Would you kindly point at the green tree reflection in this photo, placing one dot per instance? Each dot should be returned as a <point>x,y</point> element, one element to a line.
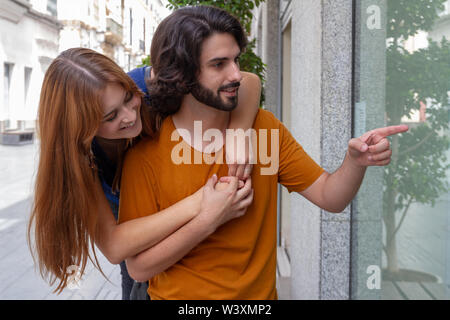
<point>417,173</point>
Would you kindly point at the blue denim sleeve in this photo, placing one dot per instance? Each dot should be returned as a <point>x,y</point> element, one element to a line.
<point>138,76</point>
<point>113,198</point>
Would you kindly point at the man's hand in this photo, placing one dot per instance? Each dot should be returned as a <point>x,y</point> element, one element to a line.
<point>373,148</point>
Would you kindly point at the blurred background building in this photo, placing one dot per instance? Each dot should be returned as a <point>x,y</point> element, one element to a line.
<point>34,32</point>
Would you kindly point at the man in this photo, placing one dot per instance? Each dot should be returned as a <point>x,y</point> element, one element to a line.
<point>195,55</point>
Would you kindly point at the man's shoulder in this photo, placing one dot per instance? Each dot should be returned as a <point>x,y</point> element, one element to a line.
<point>140,151</point>
<point>266,120</point>
<point>151,148</point>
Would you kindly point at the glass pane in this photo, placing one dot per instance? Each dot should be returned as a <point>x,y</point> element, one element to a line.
<point>401,216</point>
<point>52,7</point>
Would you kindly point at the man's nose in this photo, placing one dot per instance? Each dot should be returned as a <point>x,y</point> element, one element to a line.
<point>235,73</point>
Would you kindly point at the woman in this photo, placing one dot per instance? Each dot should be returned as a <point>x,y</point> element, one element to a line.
<point>90,112</point>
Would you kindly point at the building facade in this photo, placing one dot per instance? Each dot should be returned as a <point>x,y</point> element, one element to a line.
<point>28,43</point>
<point>356,70</point>
<point>119,29</point>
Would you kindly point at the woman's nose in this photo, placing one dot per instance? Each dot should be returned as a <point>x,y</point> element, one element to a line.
<point>129,114</point>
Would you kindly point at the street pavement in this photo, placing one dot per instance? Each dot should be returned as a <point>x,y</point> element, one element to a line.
<point>19,275</point>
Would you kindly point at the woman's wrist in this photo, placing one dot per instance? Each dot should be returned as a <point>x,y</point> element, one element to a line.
<point>204,223</point>
<point>197,198</point>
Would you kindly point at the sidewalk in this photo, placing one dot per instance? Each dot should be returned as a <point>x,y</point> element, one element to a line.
<point>19,278</point>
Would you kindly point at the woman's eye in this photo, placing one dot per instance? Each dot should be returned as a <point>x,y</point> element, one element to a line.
<point>111,118</point>
<point>128,96</point>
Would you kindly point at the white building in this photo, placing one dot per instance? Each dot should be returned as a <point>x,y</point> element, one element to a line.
<point>140,19</point>
<point>119,29</point>
<point>28,43</point>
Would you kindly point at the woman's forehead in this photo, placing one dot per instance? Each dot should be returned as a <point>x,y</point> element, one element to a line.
<point>113,96</point>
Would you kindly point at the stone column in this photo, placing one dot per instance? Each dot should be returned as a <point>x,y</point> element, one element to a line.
<point>271,54</point>
<point>322,123</point>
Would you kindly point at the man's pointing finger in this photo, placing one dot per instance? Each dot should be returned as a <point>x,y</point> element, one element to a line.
<point>389,131</point>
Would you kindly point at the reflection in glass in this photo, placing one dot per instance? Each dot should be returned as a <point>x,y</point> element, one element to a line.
<point>415,212</point>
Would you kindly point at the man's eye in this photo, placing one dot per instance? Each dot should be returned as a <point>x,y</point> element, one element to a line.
<point>218,65</point>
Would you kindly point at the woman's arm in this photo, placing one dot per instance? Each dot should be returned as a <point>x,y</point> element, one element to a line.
<point>242,118</point>
<point>119,241</point>
<point>249,97</point>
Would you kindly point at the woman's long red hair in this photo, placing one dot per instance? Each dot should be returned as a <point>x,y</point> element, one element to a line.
<point>65,208</point>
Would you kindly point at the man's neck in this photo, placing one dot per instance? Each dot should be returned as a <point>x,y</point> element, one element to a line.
<point>191,111</point>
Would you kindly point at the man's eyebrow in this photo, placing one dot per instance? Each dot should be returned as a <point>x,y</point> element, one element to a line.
<point>222,58</point>
<point>217,59</point>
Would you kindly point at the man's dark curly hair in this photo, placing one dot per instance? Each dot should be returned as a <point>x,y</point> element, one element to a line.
<point>176,48</point>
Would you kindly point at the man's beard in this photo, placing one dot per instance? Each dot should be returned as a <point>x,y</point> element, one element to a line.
<point>207,96</point>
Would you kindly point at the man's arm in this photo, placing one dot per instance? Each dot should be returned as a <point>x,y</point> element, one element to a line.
<point>333,192</point>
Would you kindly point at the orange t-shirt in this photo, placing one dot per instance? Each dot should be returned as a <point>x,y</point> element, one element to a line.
<point>238,261</point>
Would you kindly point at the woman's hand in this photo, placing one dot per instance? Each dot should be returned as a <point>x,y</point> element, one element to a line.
<point>224,201</point>
<point>239,157</point>
<point>242,169</point>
